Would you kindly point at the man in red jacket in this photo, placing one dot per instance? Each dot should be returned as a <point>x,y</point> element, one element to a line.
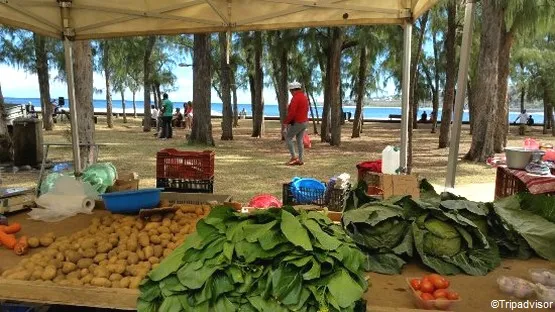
<point>296,122</point>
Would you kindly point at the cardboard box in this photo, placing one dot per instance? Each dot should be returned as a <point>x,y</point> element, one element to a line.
<point>125,182</point>
<point>393,185</point>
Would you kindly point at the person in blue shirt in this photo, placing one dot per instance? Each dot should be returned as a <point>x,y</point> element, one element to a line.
<point>167,115</point>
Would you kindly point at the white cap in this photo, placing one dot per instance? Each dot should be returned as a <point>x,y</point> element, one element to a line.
<point>294,85</point>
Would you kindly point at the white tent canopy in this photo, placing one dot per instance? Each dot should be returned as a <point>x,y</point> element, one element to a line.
<point>94,19</point>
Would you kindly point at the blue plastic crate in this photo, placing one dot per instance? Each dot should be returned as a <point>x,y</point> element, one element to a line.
<point>131,201</point>
<point>307,190</point>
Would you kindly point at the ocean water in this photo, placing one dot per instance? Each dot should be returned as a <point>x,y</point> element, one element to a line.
<point>270,110</point>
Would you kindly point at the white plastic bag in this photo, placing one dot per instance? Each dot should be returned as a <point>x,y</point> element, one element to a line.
<point>67,198</point>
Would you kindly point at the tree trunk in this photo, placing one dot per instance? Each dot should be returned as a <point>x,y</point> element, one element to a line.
<point>325,127</point>
<point>146,83</point>
<point>6,154</point>
<point>108,76</point>
<point>549,117</point>
<point>122,93</point>
<point>487,83</point>
<point>471,105</point>
<point>227,113</point>
<point>361,86</point>
<point>502,124</point>
<point>435,96</point>
<point>83,71</point>
<point>413,83</point>
<point>545,113</point>
<point>235,106</point>
<point>334,73</point>
<point>258,113</point>
<point>435,90</point>
<point>311,106</point>
<point>134,106</point>
<point>201,132</point>
<point>522,97</point>
<point>44,84</point>
<point>157,103</point>
<point>450,75</point>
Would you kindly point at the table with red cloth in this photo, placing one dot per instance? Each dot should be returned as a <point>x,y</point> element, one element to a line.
<point>512,181</point>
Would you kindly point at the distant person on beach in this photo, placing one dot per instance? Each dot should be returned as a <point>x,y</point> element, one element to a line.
<point>243,114</point>
<point>423,117</point>
<point>154,115</point>
<point>189,115</point>
<point>296,123</point>
<point>167,114</point>
<point>530,121</point>
<point>177,120</point>
<point>523,117</point>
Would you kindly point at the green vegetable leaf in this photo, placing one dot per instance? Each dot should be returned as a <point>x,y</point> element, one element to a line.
<point>224,305</point>
<point>170,304</point>
<point>328,242</point>
<point>344,289</point>
<point>146,306</point>
<point>228,251</point>
<point>172,263</point>
<point>435,263</point>
<point>194,277</point>
<point>385,263</point>
<point>284,281</point>
<point>294,231</point>
<point>313,272</point>
<point>471,206</point>
<point>254,231</point>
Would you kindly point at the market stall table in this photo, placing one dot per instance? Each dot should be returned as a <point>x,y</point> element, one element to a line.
<point>388,293</point>
<point>512,181</point>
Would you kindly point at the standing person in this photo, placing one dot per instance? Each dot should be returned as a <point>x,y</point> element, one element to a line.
<point>189,116</point>
<point>167,111</point>
<point>296,123</point>
<point>523,120</point>
<point>154,118</point>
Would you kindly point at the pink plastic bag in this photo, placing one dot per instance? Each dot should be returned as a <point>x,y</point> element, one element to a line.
<point>531,144</point>
<point>263,201</point>
<point>306,140</point>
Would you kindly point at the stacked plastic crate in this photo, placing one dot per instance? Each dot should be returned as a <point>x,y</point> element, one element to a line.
<point>185,172</point>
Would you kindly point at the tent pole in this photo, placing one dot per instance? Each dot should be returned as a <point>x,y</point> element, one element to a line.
<point>407,45</point>
<point>68,35</point>
<point>68,49</point>
<point>461,94</point>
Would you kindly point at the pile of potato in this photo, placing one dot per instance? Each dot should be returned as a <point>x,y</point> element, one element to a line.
<point>114,251</point>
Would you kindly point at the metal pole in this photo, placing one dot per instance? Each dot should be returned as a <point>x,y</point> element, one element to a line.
<point>69,32</point>
<point>461,94</point>
<point>68,49</point>
<point>405,94</point>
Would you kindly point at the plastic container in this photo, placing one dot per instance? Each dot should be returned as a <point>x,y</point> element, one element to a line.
<point>391,160</point>
<point>307,190</point>
<point>542,276</point>
<point>335,199</point>
<point>131,201</point>
<point>15,307</point>
<point>264,201</point>
<point>516,287</point>
<point>518,157</point>
<point>174,164</point>
<point>186,185</point>
<point>545,294</point>
<point>441,304</point>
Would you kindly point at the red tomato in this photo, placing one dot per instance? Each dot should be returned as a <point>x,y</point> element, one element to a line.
<point>426,296</point>
<point>415,283</point>
<point>427,287</point>
<point>441,293</point>
<point>447,282</point>
<point>452,295</point>
<point>438,281</point>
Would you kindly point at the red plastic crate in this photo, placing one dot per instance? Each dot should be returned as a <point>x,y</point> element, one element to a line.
<point>174,164</point>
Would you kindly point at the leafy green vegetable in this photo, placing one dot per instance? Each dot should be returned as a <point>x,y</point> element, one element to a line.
<point>538,231</point>
<point>271,260</point>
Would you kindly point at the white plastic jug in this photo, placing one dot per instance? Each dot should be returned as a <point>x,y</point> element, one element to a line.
<point>391,160</point>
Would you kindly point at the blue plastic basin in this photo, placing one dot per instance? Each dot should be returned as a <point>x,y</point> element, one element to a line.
<point>307,190</point>
<point>131,201</point>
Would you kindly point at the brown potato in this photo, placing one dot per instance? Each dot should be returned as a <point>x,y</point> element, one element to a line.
<point>104,247</point>
<point>141,255</point>
<point>164,229</point>
<point>87,278</point>
<point>154,260</point>
<point>72,256</point>
<point>49,273</point>
<point>101,272</point>
<point>58,279</point>
<point>33,242</point>
<point>148,251</point>
<point>166,222</point>
<point>133,258</point>
<point>158,250</point>
<point>73,275</point>
<point>104,263</point>
<point>68,267</point>
<point>124,282</point>
<point>155,239</point>
<point>84,272</point>
<point>46,241</point>
<point>88,243</point>
<point>100,257</point>
<point>144,240</point>
<point>84,263</point>
<point>171,246</point>
<point>164,243</point>
<point>132,243</point>
<point>21,275</point>
<point>166,252</point>
<point>123,254</point>
<point>175,228</point>
<point>88,253</point>
<point>56,263</point>
<point>51,234</point>
<point>152,232</point>
<point>101,282</point>
<point>115,277</point>
<point>165,236</point>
